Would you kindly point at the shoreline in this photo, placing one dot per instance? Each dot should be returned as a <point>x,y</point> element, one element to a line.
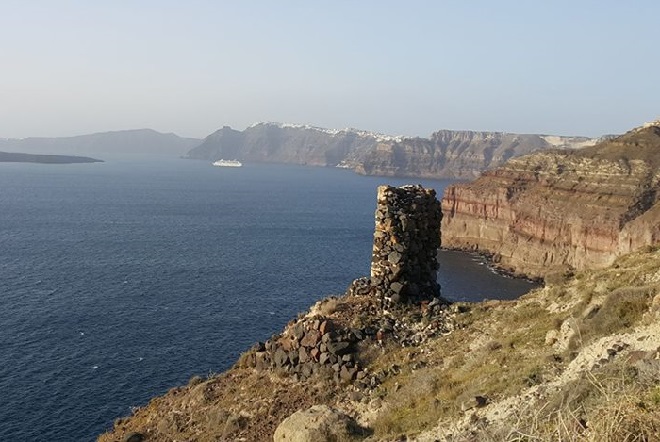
<point>490,259</point>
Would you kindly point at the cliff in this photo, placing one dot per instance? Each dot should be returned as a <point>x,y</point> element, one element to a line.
<point>285,143</point>
<point>574,360</point>
<point>561,210</point>
<point>456,154</point>
<point>446,154</point>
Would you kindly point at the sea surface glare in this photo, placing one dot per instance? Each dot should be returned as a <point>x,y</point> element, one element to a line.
<point>120,280</point>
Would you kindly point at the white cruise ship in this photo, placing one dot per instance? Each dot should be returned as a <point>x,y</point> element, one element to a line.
<point>227,163</point>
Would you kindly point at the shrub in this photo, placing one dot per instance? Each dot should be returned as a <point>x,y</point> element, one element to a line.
<point>621,309</point>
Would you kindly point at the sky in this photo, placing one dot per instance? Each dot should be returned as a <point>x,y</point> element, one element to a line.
<point>412,67</point>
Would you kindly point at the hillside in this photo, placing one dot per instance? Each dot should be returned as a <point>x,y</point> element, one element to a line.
<point>557,211</point>
<point>391,360</point>
<point>575,360</point>
<point>447,154</point>
<point>140,141</point>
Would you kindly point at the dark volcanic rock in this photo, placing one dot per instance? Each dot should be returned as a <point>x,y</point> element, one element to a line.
<point>134,437</point>
<point>338,348</point>
<point>406,242</point>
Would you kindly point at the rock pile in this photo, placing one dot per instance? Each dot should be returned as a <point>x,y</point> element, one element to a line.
<point>406,241</point>
<point>404,265</point>
<point>311,346</point>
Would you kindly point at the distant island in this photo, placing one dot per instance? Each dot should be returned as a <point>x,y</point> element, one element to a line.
<point>445,154</point>
<point>135,141</point>
<point>454,154</point>
<point>11,157</point>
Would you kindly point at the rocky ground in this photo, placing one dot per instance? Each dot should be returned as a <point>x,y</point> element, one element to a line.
<point>575,360</point>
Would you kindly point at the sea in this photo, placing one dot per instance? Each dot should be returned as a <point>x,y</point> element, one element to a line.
<point>120,280</point>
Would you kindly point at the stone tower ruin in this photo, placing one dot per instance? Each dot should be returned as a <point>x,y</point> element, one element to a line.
<point>404,261</point>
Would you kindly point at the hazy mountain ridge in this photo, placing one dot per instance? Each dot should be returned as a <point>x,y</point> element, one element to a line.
<point>446,154</point>
<point>140,141</point>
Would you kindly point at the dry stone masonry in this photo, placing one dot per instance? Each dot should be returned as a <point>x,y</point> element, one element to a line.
<point>327,341</point>
<point>311,346</point>
<point>406,240</point>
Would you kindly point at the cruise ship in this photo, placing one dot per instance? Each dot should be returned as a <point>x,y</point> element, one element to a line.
<point>227,163</point>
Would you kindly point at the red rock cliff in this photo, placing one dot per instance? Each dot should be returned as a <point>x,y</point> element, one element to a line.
<point>554,211</point>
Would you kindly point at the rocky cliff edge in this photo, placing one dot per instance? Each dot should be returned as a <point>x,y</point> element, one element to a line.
<point>575,360</point>
<point>557,211</point>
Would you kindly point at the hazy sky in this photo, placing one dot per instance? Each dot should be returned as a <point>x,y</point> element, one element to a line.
<point>574,67</point>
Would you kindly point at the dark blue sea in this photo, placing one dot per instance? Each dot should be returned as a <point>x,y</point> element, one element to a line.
<point>120,280</point>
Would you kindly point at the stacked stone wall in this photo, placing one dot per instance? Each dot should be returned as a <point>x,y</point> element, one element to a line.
<point>404,268</point>
<point>404,261</point>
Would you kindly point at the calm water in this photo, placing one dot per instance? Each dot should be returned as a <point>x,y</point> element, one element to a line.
<point>120,280</point>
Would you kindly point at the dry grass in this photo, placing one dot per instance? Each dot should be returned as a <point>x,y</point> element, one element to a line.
<point>501,351</point>
<point>493,369</point>
<point>498,351</point>
<point>596,408</point>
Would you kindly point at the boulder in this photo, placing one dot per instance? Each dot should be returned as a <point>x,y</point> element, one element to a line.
<point>319,423</point>
<point>281,358</point>
<point>347,374</point>
<point>134,437</point>
<point>312,337</point>
<point>339,348</point>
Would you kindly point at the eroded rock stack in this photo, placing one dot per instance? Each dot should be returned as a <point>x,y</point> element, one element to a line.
<point>406,241</point>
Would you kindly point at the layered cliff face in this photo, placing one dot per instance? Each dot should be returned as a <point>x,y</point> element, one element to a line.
<point>447,154</point>
<point>456,154</point>
<point>561,210</point>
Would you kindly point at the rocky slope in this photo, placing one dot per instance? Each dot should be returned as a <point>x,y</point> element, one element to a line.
<point>447,154</point>
<point>575,360</point>
<point>561,210</point>
<point>140,141</point>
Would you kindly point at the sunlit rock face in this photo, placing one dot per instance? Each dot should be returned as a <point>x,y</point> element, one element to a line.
<point>556,211</point>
